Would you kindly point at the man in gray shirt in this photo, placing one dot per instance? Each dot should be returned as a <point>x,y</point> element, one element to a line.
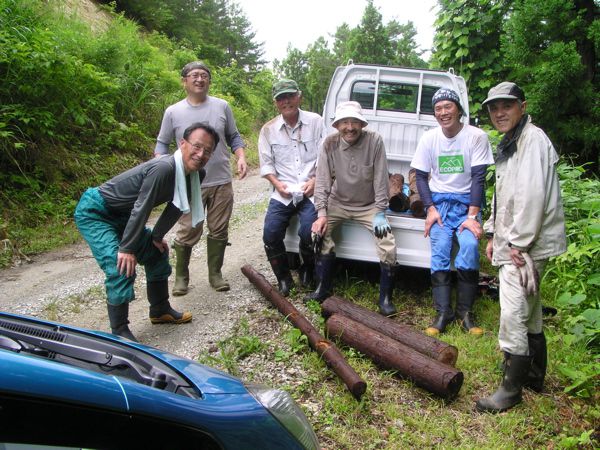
<point>352,184</point>
<point>217,190</point>
<point>112,219</point>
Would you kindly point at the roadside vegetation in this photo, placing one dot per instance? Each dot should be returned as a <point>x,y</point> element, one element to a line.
<point>82,98</point>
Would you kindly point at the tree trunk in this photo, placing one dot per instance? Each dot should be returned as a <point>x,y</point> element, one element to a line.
<point>434,376</point>
<point>405,334</point>
<point>330,353</point>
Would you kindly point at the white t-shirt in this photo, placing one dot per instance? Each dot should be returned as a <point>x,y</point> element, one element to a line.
<point>449,160</point>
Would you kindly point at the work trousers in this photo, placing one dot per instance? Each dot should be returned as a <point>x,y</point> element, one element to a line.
<point>218,206</point>
<point>103,231</point>
<point>454,212</point>
<point>385,247</point>
<point>278,218</point>
<point>519,313</point>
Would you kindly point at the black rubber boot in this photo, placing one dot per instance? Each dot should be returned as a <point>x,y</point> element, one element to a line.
<point>118,316</point>
<point>440,290</point>
<point>215,253</point>
<point>509,394</point>
<point>324,269</point>
<point>386,289</point>
<point>182,271</point>
<point>307,269</point>
<point>467,288</point>
<point>539,362</point>
<point>160,307</point>
<point>278,259</point>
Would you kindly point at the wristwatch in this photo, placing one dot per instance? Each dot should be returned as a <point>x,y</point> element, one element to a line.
<point>474,217</point>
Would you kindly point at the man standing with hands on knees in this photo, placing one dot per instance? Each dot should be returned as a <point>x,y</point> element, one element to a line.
<point>451,162</point>
<point>353,184</point>
<point>217,189</point>
<point>526,227</point>
<point>288,148</point>
<point>112,219</point>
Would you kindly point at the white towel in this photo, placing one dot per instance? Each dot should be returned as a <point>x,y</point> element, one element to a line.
<point>180,198</point>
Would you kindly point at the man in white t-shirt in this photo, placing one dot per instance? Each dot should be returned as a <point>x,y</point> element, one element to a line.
<point>451,163</point>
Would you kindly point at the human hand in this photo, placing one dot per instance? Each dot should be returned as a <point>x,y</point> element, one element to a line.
<point>489,249</point>
<point>473,226</point>
<point>381,226</point>
<point>529,276</point>
<point>517,257</point>
<point>162,246</point>
<point>308,188</point>
<point>242,167</point>
<point>319,226</point>
<point>126,263</point>
<point>281,187</point>
<point>433,216</point>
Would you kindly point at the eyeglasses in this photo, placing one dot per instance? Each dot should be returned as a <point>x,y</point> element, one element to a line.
<point>200,148</point>
<point>196,75</point>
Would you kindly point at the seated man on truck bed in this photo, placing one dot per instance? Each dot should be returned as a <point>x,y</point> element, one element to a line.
<point>456,155</point>
<point>352,183</point>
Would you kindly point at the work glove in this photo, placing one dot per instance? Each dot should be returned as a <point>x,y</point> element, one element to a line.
<point>529,276</point>
<point>381,226</point>
<point>317,243</point>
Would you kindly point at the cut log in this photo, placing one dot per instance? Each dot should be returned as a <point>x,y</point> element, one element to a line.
<point>403,333</point>
<point>330,353</point>
<point>434,376</point>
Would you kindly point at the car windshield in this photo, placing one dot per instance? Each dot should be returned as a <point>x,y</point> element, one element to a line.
<point>91,353</point>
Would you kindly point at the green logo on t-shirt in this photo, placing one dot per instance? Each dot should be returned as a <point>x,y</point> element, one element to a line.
<point>451,164</point>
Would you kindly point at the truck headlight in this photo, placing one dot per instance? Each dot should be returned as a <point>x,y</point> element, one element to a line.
<point>287,412</point>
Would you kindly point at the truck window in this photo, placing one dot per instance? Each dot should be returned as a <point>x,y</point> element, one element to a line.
<point>393,96</point>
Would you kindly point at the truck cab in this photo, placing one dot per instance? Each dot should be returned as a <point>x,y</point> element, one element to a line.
<point>396,101</point>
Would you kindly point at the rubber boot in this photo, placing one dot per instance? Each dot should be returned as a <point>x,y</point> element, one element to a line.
<point>215,252</point>
<point>509,394</point>
<point>118,316</point>
<point>277,257</point>
<point>182,271</point>
<point>416,204</point>
<point>386,289</point>
<point>324,269</point>
<point>467,288</point>
<point>307,269</point>
<point>440,290</point>
<point>539,362</point>
<point>160,307</point>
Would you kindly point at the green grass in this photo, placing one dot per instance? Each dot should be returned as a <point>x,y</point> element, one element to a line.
<point>394,413</point>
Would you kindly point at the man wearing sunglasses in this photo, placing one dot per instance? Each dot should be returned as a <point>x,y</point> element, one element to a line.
<point>217,189</point>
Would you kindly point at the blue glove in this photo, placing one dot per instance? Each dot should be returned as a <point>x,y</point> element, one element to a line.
<point>381,226</point>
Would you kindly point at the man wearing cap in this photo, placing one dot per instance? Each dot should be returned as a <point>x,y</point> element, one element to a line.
<point>525,228</point>
<point>217,190</point>
<point>353,184</point>
<point>450,163</point>
<point>288,148</point>
<point>112,219</point>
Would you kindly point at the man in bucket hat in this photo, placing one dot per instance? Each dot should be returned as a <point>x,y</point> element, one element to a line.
<point>288,147</point>
<point>526,227</point>
<point>451,163</point>
<point>352,184</point>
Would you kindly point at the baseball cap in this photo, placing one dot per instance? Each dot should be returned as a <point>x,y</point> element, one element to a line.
<point>505,90</point>
<point>193,66</point>
<point>284,86</point>
<point>346,110</point>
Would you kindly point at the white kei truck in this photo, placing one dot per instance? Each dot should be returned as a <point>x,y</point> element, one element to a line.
<point>396,101</point>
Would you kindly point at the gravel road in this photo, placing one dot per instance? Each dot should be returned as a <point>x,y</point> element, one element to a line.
<point>67,286</point>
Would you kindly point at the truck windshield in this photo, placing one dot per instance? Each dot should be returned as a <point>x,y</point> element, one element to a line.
<point>400,97</point>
